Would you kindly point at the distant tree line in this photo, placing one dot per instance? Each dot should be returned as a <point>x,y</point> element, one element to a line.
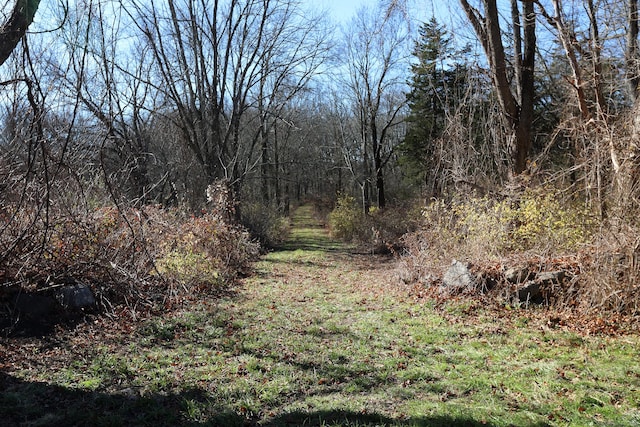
<point>149,102</point>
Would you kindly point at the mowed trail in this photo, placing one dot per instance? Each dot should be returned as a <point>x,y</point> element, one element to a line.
<point>310,260</point>
<point>313,273</point>
<point>330,318</point>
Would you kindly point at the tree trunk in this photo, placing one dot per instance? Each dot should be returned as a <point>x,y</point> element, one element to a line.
<point>517,112</point>
<point>526,90</point>
<point>376,139</point>
<point>382,202</point>
<point>264,160</point>
<point>596,47</point>
<point>16,27</point>
<point>366,168</point>
<point>633,71</point>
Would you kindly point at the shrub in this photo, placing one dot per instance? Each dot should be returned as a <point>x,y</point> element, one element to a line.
<point>611,271</point>
<point>536,220</point>
<point>535,224</point>
<point>346,219</point>
<point>187,267</point>
<point>225,247</point>
<point>128,256</point>
<point>389,225</point>
<point>542,221</point>
<point>379,231</point>
<point>265,224</point>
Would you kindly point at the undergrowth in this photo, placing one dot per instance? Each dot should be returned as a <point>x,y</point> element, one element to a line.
<point>534,231</point>
<point>536,220</point>
<point>380,230</point>
<point>265,223</point>
<point>142,257</point>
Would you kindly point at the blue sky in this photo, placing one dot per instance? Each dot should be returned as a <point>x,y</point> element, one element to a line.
<point>447,12</point>
<point>343,9</point>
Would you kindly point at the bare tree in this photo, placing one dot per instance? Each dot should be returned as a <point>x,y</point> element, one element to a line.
<point>287,66</point>
<point>633,68</point>
<point>517,108</point>
<point>569,44</point>
<point>16,26</point>
<point>377,45</point>
<point>218,63</point>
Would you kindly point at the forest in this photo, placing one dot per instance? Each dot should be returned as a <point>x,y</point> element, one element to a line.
<point>154,148</point>
<point>258,213</point>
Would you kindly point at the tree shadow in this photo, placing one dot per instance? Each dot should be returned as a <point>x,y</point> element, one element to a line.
<point>348,418</point>
<point>38,403</point>
<point>15,325</point>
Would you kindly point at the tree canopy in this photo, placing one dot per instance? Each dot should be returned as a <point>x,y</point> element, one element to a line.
<point>160,99</point>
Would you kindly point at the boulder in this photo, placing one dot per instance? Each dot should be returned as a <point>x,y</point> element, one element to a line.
<point>458,278</point>
<point>530,292</point>
<point>76,296</point>
<point>550,277</point>
<point>33,306</point>
<point>517,274</point>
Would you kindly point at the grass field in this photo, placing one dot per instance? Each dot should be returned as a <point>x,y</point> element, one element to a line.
<point>319,336</point>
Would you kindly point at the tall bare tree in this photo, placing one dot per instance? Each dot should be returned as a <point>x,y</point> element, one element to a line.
<point>377,46</point>
<point>633,63</point>
<point>516,106</point>
<point>225,69</point>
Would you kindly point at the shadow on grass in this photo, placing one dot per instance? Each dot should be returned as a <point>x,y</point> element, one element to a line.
<point>310,244</point>
<point>354,419</point>
<point>36,403</point>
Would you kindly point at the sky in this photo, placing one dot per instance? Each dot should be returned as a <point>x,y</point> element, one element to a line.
<point>448,13</point>
<point>343,9</point>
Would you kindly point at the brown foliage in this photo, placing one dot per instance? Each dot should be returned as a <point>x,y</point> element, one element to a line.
<point>121,253</point>
<point>600,269</point>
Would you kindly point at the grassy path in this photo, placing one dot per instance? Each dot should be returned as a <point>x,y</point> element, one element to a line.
<point>321,337</point>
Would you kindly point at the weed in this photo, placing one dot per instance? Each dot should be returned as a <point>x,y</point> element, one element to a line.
<point>536,220</point>
<point>189,268</point>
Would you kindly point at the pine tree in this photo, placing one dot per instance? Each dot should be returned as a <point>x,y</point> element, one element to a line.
<point>436,88</point>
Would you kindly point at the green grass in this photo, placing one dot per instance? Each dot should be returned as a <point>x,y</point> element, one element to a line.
<point>316,338</point>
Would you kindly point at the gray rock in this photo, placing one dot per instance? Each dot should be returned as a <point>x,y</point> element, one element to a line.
<point>458,278</point>
<point>516,274</point>
<point>75,296</point>
<point>530,291</point>
<point>550,277</point>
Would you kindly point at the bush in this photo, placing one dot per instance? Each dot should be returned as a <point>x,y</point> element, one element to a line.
<point>536,232</point>
<point>611,271</point>
<point>188,267</point>
<point>346,220</point>
<point>132,256</point>
<point>536,220</point>
<point>380,231</point>
<point>534,225</point>
<point>208,250</point>
<point>265,224</point>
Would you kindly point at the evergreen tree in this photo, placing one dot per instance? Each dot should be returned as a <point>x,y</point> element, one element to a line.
<point>437,86</point>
